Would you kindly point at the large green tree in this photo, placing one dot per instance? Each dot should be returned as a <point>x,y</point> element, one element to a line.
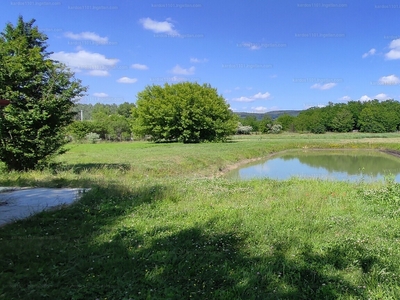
<point>186,112</point>
<point>287,122</point>
<point>342,121</point>
<point>41,92</point>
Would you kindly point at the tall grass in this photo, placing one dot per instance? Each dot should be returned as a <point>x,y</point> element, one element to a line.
<point>162,223</point>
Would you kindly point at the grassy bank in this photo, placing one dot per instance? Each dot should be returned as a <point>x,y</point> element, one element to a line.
<point>161,223</point>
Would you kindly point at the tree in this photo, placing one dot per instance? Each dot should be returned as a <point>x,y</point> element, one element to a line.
<point>287,122</point>
<point>251,121</point>
<point>265,123</point>
<point>186,112</point>
<point>375,117</point>
<point>42,93</point>
<point>118,127</point>
<point>343,121</point>
<point>125,109</point>
<point>80,129</point>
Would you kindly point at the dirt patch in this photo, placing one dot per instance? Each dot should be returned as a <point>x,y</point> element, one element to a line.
<point>242,163</point>
<point>391,152</point>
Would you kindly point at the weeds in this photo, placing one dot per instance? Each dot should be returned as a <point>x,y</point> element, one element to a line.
<point>157,225</point>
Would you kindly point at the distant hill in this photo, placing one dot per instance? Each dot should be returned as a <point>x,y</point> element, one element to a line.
<point>273,114</point>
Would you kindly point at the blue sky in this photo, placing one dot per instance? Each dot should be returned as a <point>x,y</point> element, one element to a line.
<point>260,55</point>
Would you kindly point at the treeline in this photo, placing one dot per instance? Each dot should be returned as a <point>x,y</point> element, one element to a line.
<point>102,121</point>
<point>114,122</point>
<point>370,116</point>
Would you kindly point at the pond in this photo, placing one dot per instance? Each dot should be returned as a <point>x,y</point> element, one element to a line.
<point>347,165</point>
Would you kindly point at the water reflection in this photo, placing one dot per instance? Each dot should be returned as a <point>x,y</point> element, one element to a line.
<point>325,164</point>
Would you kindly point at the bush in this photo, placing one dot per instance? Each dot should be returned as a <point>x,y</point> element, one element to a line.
<point>80,129</point>
<point>319,129</point>
<point>275,129</point>
<point>185,112</point>
<point>244,129</point>
<point>93,137</point>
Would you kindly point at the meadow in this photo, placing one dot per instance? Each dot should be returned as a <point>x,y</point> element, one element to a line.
<point>162,222</point>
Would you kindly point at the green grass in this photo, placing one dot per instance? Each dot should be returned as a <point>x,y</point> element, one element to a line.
<point>162,223</point>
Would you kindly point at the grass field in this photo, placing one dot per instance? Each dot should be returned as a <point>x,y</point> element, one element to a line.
<point>161,222</point>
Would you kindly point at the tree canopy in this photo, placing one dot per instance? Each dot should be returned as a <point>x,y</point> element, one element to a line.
<point>41,94</point>
<point>186,112</point>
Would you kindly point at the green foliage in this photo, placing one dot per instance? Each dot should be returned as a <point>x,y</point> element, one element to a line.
<point>318,128</point>
<point>287,122</point>
<point>265,123</point>
<point>379,117</point>
<point>125,109</point>
<point>118,127</point>
<point>371,116</point>
<point>311,120</point>
<point>79,129</point>
<point>387,194</point>
<point>275,129</point>
<point>93,137</point>
<point>343,121</point>
<point>41,93</point>
<point>185,112</point>
<point>252,122</point>
<point>243,129</point>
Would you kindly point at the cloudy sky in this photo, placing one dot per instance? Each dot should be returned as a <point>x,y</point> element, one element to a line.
<point>260,55</point>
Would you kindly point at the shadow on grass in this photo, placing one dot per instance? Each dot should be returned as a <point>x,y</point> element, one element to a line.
<point>79,168</point>
<point>55,178</point>
<point>83,252</point>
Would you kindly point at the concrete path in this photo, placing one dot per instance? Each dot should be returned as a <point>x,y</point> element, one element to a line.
<point>20,203</point>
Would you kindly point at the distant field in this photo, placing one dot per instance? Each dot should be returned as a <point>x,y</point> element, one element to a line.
<point>161,222</point>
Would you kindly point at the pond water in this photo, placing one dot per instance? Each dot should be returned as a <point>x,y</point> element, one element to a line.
<point>347,165</point>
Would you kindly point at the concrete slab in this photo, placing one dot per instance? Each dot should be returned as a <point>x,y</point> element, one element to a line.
<point>20,203</point>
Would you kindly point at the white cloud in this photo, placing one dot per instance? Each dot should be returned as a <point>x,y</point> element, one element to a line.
<point>181,71</point>
<point>243,99</point>
<point>126,80</point>
<point>365,98</point>
<point>237,88</point>
<point>389,80</point>
<point>98,73</point>
<point>91,36</point>
<point>266,95</point>
<point>259,109</point>
<point>197,61</point>
<point>97,64</point>
<point>369,53</point>
<point>139,67</point>
<point>394,53</point>
<point>100,95</point>
<point>273,76</point>
<point>158,27</point>
<point>345,98</point>
<point>395,44</point>
<point>381,97</point>
<point>313,104</point>
<point>227,91</point>
<point>257,96</point>
<point>325,86</point>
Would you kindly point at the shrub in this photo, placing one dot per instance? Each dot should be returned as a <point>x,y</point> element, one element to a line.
<point>93,137</point>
